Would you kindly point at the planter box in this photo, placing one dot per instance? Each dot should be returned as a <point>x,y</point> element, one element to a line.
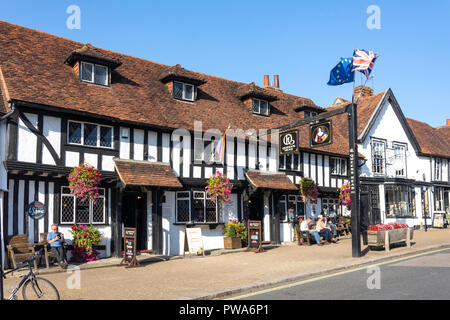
<point>382,238</point>
<point>232,243</point>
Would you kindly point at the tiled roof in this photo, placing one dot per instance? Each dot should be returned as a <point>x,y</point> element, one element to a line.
<point>432,141</point>
<point>269,180</point>
<point>33,66</point>
<point>145,173</point>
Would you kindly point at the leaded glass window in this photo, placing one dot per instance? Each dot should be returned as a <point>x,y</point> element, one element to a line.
<point>75,210</point>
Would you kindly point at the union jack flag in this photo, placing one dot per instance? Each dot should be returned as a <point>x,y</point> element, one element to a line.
<point>363,61</point>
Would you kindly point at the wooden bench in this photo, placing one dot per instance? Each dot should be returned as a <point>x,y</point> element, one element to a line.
<point>343,226</point>
<point>304,237</point>
<point>20,249</point>
<point>48,253</point>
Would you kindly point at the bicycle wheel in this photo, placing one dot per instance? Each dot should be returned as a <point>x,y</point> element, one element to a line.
<point>39,289</point>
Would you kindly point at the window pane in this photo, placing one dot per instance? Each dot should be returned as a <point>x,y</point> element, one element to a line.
<point>282,208</point>
<point>181,195</point>
<point>199,210</point>
<point>101,75</point>
<point>98,207</point>
<point>105,137</point>
<point>82,211</point>
<point>74,132</point>
<point>67,203</point>
<point>211,215</point>
<point>188,92</point>
<point>343,167</point>
<point>178,90</point>
<point>255,106</point>
<point>90,135</point>
<point>183,210</point>
<point>86,71</point>
<point>264,108</point>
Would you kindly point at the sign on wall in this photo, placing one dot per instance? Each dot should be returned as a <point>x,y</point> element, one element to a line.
<point>36,210</point>
<point>289,142</point>
<point>320,134</point>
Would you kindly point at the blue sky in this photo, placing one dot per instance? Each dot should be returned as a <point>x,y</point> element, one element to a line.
<point>299,40</point>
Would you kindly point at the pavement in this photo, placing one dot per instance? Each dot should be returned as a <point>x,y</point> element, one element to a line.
<point>222,273</point>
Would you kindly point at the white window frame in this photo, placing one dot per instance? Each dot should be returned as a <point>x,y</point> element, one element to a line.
<point>373,143</point>
<point>91,207</point>
<point>83,64</point>
<point>437,169</point>
<point>194,91</point>
<point>400,146</point>
<point>191,200</point>
<point>259,107</point>
<point>82,134</point>
<point>340,166</point>
<point>286,198</point>
<point>310,114</point>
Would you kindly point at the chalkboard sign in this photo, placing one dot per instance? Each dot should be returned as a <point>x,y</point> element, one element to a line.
<point>254,236</point>
<point>129,248</point>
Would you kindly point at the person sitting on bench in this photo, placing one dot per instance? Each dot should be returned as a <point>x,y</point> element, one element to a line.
<point>56,241</point>
<point>328,224</point>
<point>321,228</point>
<point>304,226</point>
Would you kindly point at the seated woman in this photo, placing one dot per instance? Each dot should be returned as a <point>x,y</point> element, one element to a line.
<point>321,228</point>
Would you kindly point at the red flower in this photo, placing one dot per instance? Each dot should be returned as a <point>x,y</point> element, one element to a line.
<point>74,227</point>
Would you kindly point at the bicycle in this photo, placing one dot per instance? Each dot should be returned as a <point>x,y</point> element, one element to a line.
<point>34,288</point>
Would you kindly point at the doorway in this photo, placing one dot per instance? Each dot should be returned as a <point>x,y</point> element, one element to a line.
<point>134,215</point>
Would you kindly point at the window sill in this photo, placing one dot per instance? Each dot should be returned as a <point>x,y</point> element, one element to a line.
<point>400,217</point>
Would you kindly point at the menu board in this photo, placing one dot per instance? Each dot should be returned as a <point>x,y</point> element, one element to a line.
<point>438,220</point>
<point>194,241</point>
<point>129,248</point>
<point>254,236</point>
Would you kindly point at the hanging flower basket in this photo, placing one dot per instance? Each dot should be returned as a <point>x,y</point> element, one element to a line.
<point>85,239</point>
<point>345,195</point>
<point>309,190</point>
<point>84,181</point>
<point>218,187</point>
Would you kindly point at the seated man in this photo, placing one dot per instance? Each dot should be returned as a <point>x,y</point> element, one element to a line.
<point>328,224</point>
<point>304,226</point>
<point>56,241</point>
<point>321,228</point>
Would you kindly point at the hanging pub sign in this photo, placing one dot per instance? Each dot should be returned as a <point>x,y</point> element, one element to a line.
<point>129,248</point>
<point>289,142</point>
<point>320,134</point>
<point>254,236</point>
<point>36,210</point>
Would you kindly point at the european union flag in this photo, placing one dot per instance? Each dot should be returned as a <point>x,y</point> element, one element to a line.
<point>342,73</point>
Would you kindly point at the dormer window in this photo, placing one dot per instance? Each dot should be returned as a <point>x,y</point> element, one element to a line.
<point>183,91</point>
<point>260,107</point>
<point>94,73</point>
<point>310,114</point>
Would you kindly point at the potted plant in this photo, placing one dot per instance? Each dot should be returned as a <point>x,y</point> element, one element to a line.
<point>85,239</point>
<point>309,189</point>
<point>234,233</point>
<point>397,232</point>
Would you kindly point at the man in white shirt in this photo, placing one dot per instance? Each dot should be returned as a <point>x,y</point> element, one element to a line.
<point>304,226</point>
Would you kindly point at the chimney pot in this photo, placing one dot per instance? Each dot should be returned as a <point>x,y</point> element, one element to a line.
<point>448,122</point>
<point>276,81</point>
<point>266,80</point>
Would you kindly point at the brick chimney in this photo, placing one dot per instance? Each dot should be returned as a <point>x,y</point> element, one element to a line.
<point>448,122</point>
<point>366,91</point>
<point>276,81</point>
<point>266,80</point>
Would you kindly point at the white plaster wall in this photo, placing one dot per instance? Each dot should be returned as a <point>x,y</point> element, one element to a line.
<point>124,143</point>
<point>152,146</point>
<point>91,159</point>
<point>166,147</point>
<point>52,131</point>
<point>173,235</point>
<point>107,163</point>
<point>26,140</point>
<point>72,159</point>
<point>138,139</point>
